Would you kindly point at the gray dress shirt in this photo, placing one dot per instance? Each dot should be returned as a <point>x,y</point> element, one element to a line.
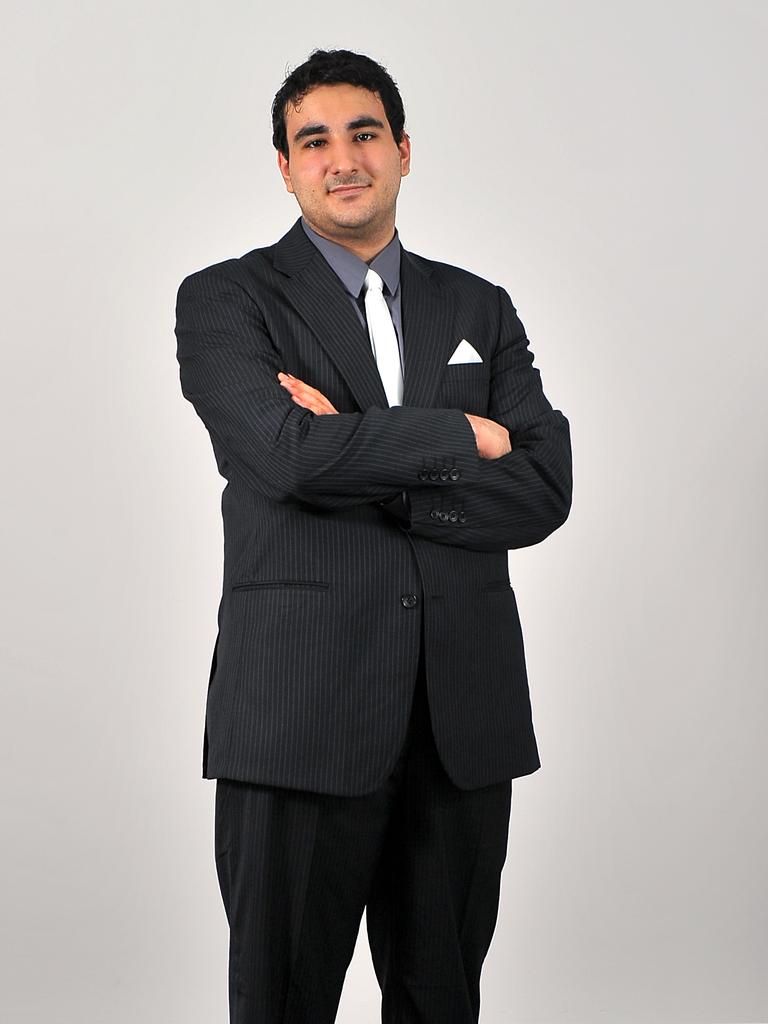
<point>351,271</point>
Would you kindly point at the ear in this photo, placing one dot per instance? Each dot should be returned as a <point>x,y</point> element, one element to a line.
<point>405,154</point>
<point>285,170</point>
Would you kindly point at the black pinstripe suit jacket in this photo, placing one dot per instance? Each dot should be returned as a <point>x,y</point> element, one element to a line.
<point>324,590</point>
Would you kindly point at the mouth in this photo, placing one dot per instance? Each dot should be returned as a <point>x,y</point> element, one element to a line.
<point>348,190</point>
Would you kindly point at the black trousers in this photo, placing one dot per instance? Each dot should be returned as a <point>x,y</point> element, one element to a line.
<point>297,869</point>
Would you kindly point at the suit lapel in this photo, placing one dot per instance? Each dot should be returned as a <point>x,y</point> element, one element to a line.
<point>321,300</point>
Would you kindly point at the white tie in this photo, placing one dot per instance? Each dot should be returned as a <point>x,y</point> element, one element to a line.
<point>381,331</point>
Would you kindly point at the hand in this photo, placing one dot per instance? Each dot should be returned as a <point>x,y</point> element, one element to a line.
<point>492,439</point>
<point>306,396</point>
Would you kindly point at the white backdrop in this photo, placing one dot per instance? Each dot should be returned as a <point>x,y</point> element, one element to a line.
<point>604,162</point>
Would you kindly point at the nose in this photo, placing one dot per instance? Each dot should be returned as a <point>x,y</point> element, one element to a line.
<point>343,158</point>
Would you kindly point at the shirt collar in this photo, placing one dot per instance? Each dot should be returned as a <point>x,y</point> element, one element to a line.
<point>351,269</point>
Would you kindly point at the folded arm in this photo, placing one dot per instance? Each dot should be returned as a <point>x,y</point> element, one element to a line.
<point>228,371</point>
<point>518,499</point>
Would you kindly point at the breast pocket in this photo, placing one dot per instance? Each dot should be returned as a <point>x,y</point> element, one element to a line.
<point>465,386</point>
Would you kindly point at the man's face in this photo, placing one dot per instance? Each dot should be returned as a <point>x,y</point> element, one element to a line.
<point>344,165</point>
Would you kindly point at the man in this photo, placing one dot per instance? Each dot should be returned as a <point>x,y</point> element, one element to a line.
<point>385,441</point>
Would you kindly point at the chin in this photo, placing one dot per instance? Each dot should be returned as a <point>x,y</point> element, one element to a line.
<point>355,218</point>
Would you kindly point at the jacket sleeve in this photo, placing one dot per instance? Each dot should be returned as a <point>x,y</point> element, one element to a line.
<point>228,370</point>
<point>523,496</point>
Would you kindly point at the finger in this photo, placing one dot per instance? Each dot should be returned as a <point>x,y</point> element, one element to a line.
<point>309,397</point>
<point>317,398</point>
<point>300,388</point>
<point>290,383</point>
<point>319,409</point>
<point>294,384</point>
<point>306,403</point>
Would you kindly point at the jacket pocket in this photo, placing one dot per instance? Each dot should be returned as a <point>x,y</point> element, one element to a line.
<point>457,371</point>
<point>277,584</point>
<point>464,386</point>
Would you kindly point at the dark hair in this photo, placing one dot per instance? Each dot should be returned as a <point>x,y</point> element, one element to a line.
<point>336,67</point>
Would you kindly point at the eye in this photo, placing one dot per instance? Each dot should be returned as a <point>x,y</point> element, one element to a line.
<point>314,143</point>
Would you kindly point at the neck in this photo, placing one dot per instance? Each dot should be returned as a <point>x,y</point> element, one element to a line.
<point>365,247</point>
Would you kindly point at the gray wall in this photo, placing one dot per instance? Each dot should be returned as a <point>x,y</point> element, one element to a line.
<point>606,163</point>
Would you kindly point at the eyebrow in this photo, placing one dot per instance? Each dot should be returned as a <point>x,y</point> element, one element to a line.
<point>323,129</point>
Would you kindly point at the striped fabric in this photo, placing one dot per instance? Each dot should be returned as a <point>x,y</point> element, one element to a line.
<point>324,591</point>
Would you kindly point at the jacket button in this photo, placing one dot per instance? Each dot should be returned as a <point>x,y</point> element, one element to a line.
<point>462,517</point>
<point>434,474</point>
<point>453,515</point>
<point>423,474</point>
<point>409,600</point>
<point>443,516</point>
<point>444,474</point>
<point>455,474</point>
<point>434,514</point>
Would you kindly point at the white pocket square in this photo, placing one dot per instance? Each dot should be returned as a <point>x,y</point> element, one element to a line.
<point>465,353</point>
